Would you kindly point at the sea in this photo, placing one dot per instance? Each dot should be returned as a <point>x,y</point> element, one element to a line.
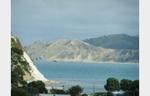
<point>90,76</point>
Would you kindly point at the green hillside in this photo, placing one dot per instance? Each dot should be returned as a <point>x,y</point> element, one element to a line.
<point>115,41</point>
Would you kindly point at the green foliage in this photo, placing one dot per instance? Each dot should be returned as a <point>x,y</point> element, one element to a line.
<point>58,91</point>
<point>135,85</point>
<point>131,88</point>
<point>16,43</point>
<point>112,84</point>
<point>116,41</point>
<point>109,94</point>
<point>126,84</point>
<point>19,92</point>
<point>25,66</point>
<point>75,90</point>
<point>84,94</point>
<point>18,68</point>
<point>33,91</point>
<point>39,85</point>
<point>135,88</point>
<point>15,56</point>
<point>18,64</point>
<point>100,94</point>
<point>17,50</point>
<point>17,76</point>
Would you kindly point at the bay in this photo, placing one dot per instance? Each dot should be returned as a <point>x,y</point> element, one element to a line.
<point>90,76</point>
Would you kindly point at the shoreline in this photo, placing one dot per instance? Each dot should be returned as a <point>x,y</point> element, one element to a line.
<point>90,62</point>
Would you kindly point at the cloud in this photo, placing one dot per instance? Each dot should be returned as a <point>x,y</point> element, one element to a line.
<point>69,18</point>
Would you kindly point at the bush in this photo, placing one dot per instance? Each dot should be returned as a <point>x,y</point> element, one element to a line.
<point>39,85</point>
<point>126,84</point>
<point>17,76</point>
<point>135,88</point>
<point>100,94</point>
<point>135,85</point>
<point>109,94</point>
<point>130,88</point>
<point>19,92</point>
<point>57,91</point>
<point>84,94</point>
<point>75,90</point>
<point>17,50</point>
<point>112,85</point>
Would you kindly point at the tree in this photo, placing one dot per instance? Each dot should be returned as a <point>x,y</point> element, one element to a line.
<point>135,87</point>
<point>100,94</point>
<point>112,85</point>
<point>126,84</point>
<point>75,90</point>
<point>84,94</point>
<point>58,91</point>
<point>17,77</point>
<point>39,85</point>
<point>19,92</point>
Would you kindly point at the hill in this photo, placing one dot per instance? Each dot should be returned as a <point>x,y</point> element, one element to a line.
<point>79,51</point>
<point>22,68</point>
<point>115,41</point>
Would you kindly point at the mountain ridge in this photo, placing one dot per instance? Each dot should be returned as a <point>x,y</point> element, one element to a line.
<point>80,51</point>
<point>115,41</point>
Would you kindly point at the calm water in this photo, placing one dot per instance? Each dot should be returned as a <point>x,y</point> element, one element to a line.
<point>92,77</point>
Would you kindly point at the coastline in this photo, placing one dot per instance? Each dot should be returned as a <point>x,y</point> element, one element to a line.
<point>35,73</point>
<point>52,82</point>
<point>91,62</point>
<point>58,83</point>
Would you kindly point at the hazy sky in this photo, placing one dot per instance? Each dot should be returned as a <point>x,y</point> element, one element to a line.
<point>73,19</point>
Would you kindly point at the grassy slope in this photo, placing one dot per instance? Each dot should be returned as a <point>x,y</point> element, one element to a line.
<point>116,41</point>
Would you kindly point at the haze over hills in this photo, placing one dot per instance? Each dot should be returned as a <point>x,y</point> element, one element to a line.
<point>80,51</point>
<point>115,41</point>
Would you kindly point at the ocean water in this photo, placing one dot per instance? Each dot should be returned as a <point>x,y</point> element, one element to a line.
<point>90,76</point>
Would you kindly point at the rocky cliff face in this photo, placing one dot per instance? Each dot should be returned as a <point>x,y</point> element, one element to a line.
<point>75,50</point>
<point>22,67</point>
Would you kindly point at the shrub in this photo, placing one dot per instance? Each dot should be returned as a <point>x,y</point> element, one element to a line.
<point>39,85</point>
<point>112,85</point>
<point>19,92</point>
<point>57,91</point>
<point>126,84</point>
<point>75,90</point>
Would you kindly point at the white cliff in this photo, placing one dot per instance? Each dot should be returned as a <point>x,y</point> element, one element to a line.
<point>34,71</point>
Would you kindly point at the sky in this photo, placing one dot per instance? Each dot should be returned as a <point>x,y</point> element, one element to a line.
<point>49,20</point>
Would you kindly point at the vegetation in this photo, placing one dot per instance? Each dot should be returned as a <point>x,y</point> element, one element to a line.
<point>16,43</point>
<point>39,50</point>
<point>19,66</point>
<point>31,89</point>
<point>19,86</point>
<point>100,94</point>
<point>131,88</point>
<point>19,92</point>
<point>112,85</point>
<point>126,85</point>
<point>75,90</point>
<point>116,41</point>
<point>58,91</point>
<point>84,94</point>
<point>39,85</point>
<point>135,88</point>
